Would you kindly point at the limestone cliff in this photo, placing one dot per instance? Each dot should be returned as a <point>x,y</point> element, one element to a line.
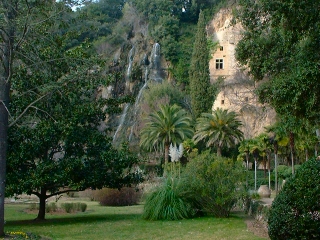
<point>237,92</point>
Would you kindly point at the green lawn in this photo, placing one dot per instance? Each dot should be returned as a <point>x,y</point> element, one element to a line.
<point>123,223</point>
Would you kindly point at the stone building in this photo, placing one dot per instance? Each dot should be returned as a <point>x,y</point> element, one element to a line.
<point>237,93</point>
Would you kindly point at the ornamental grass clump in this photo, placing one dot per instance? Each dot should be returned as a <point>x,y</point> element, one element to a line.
<point>74,207</point>
<point>167,203</point>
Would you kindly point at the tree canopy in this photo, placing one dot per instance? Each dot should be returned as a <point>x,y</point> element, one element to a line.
<point>200,89</point>
<point>57,138</point>
<point>171,124</point>
<point>219,129</point>
<point>279,44</point>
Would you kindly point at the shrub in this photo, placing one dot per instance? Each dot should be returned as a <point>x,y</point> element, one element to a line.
<point>167,203</point>
<point>52,207</point>
<point>34,206</point>
<point>246,201</point>
<point>83,207</point>
<point>215,183</point>
<point>114,197</point>
<point>68,207</point>
<point>295,212</point>
<point>74,207</point>
<point>282,172</point>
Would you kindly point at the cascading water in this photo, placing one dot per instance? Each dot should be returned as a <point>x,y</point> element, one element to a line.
<point>121,122</point>
<point>155,66</point>
<point>127,78</point>
<point>152,72</point>
<point>136,104</point>
<point>129,69</point>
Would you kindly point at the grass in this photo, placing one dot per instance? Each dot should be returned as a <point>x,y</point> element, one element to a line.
<point>100,222</point>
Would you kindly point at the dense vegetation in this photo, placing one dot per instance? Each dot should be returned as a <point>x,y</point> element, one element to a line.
<point>55,127</point>
<point>295,211</point>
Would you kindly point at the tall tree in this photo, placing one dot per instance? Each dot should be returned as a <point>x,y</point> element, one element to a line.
<point>200,89</point>
<point>244,150</point>
<point>36,69</point>
<point>56,146</point>
<point>8,44</point>
<point>171,124</point>
<point>219,129</point>
<point>280,44</point>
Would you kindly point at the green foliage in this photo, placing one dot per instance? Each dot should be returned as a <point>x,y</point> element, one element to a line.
<point>167,202</point>
<point>171,124</point>
<point>219,129</point>
<point>95,20</point>
<point>83,207</point>
<point>166,33</point>
<point>161,94</point>
<point>279,42</point>
<point>212,46</point>
<point>70,207</point>
<point>295,211</point>
<point>282,172</point>
<point>285,172</point>
<point>124,223</point>
<point>33,206</point>
<point>215,183</point>
<point>200,89</point>
<point>54,139</point>
<point>51,207</point>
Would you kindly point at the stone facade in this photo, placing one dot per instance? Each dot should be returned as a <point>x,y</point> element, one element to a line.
<point>237,93</point>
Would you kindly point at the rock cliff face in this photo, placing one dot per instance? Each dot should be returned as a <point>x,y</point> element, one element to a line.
<point>237,93</point>
<point>140,60</point>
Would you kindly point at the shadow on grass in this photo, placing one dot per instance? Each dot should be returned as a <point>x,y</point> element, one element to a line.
<point>74,219</point>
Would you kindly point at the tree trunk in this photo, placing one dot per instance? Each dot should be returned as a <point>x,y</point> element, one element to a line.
<point>276,172</point>
<point>264,167</point>
<point>42,204</point>
<point>275,146</point>
<point>4,101</point>
<point>219,151</point>
<point>291,150</point>
<point>255,174</point>
<point>247,158</point>
<point>7,48</point>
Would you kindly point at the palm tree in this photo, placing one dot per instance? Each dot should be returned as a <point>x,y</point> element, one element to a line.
<point>244,150</point>
<point>171,124</point>
<point>265,150</point>
<point>220,129</point>
<point>255,151</point>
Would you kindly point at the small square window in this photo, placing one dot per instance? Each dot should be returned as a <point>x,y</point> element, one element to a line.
<point>219,63</point>
<point>222,102</point>
<point>221,48</point>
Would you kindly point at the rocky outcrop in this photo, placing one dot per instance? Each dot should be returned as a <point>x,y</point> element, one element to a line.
<point>238,90</point>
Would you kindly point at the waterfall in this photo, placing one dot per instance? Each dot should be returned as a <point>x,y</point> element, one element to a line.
<point>121,122</point>
<point>155,68</point>
<point>136,104</point>
<point>152,72</point>
<point>155,63</point>
<point>127,78</point>
<point>129,69</point>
